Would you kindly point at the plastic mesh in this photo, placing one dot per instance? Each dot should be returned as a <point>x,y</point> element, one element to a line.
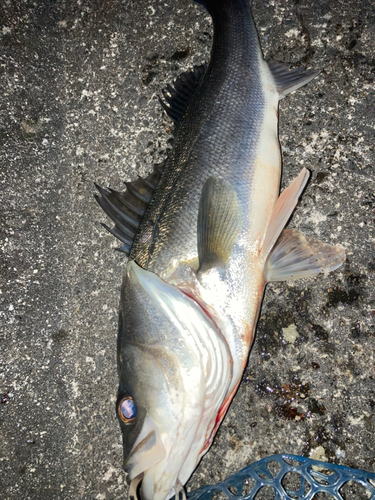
<point>291,477</point>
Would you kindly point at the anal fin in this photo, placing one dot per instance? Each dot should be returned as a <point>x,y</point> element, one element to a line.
<point>298,256</point>
<point>219,223</point>
<point>288,80</point>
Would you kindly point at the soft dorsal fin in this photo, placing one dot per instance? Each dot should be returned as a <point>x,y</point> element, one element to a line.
<point>219,223</point>
<point>126,209</point>
<point>177,97</point>
<point>287,80</point>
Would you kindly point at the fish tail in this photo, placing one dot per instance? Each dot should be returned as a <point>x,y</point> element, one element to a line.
<point>215,5</point>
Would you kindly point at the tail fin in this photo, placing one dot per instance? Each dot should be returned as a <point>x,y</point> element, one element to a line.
<point>212,5</point>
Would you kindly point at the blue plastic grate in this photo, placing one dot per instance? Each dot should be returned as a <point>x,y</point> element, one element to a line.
<point>292,477</point>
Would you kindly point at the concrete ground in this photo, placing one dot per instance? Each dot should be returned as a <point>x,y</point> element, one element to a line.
<point>79,87</point>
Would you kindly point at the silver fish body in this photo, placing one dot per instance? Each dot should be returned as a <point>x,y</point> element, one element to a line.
<point>210,239</point>
<point>178,369</point>
<point>229,130</point>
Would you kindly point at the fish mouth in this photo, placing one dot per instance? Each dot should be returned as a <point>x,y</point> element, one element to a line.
<point>134,492</point>
<point>148,461</point>
<point>152,475</point>
<point>147,451</point>
<point>184,369</point>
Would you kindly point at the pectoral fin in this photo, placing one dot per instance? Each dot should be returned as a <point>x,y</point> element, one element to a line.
<point>297,256</point>
<point>219,223</point>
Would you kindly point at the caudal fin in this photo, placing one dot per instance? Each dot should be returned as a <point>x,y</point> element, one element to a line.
<point>212,5</point>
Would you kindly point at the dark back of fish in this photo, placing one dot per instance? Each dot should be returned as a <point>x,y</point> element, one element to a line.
<point>217,135</point>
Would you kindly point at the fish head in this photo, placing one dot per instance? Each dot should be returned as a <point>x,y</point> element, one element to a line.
<point>171,362</point>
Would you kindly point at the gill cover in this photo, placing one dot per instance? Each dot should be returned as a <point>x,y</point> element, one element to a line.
<point>174,371</point>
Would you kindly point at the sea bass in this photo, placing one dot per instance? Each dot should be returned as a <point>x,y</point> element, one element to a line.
<point>204,233</point>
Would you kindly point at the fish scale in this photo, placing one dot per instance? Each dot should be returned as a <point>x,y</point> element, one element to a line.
<point>205,145</point>
<point>204,249</point>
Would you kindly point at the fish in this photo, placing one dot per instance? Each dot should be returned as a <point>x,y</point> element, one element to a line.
<point>204,233</point>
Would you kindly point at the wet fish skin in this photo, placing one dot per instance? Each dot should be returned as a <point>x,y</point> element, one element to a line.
<point>220,128</point>
<point>219,135</point>
<point>229,131</point>
<point>208,243</point>
<point>178,368</point>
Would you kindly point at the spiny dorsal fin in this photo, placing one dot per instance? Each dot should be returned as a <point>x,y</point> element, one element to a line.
<point>219,223</point>
<point>287,80</point>
<point>127,209</point>
<point>177,97</point>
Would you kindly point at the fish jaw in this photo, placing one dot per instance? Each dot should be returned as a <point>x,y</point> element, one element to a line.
<point>177,368</point>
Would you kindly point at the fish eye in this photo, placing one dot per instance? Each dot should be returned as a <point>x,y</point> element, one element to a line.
<point>126,410</point>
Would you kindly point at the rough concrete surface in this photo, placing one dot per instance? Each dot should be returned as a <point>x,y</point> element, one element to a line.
<point>79,87</point>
